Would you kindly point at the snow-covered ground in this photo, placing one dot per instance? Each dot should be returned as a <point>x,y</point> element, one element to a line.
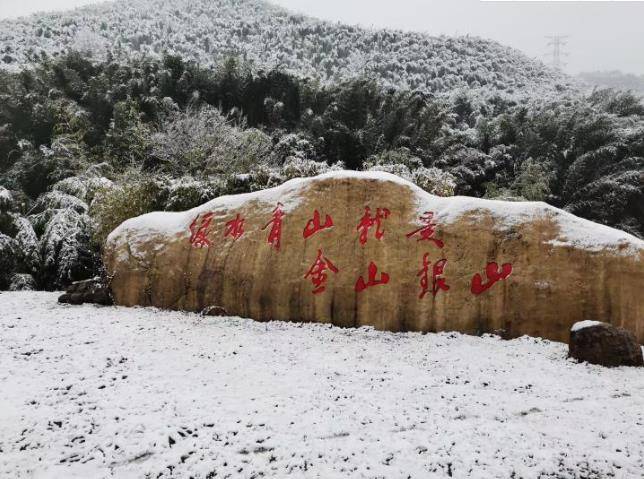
<point>94,392</point>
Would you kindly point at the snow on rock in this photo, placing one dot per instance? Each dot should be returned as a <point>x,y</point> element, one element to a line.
<point>115,392</point>
<point>584,324</point>
<point>573,231</point>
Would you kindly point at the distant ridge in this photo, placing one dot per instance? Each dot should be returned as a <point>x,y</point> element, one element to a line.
<point>268,36</point>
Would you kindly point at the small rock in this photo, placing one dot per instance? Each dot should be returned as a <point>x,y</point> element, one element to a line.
<point>214,311</point>
<point>101,296</point>
<point>76,298</point>
<point>64,298</point>
<point>604,344</point>
<point>93,291</point>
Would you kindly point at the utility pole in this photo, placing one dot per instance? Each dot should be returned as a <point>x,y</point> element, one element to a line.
<point>557,42</point>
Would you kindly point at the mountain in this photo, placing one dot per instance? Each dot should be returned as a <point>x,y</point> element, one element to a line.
<point>268,36</point>
<point>614,79</point>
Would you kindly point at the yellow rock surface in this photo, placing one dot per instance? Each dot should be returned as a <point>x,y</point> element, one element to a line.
<point>563,269</point>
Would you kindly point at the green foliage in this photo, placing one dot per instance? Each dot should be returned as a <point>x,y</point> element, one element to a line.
<point>127,138</point>
<point>8,249</point>
<point>88,145</point>
<point>133,196</point>
<point>435,181</point>
<point>533,181</point>
<point>186,193</point>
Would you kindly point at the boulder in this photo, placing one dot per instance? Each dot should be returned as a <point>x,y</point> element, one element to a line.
<point>601,343</point>
<point>370,248</point>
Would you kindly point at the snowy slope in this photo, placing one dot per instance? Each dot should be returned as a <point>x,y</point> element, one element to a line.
<point>269,36</point>
<point>114,392</point>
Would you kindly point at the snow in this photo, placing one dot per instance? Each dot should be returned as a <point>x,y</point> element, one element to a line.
<point>5,194</point>
<point>585,324</point>
<point>114,392</point>
<point>573,231</point>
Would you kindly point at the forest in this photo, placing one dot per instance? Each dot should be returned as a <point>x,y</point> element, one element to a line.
<point>267,36</point>
<point>86,144</point>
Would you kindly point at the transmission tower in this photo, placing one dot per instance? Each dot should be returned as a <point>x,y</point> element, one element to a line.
<point>557,42</point>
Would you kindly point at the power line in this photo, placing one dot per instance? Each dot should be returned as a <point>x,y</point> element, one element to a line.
<point>557,42</point>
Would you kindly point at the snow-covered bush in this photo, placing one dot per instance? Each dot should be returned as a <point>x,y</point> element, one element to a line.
<point>399,170</point>
<point>27,248</point>
<point>83,187</point>
<point>470,167</point>
<point>6,200</point>
<point>532,181</point>
<point>130,197</point>
<point>435,181</point>
<point>401,156</point>
<point>264,176</point>
<point>22,282</point>
<point>7,260</point>
<point>238,183</point>
<point>187,192</point>
<point>239,152</point>
<point>298,168</point>
<point>57,200</point>
<point>66,250</point>
<point>186,139</point>
<point>48,204</point>
<point>293,145</point>
<point>205,142</point>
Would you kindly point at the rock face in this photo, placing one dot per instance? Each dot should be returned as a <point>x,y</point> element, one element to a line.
<point>357,249</point>
<point>604,344</point>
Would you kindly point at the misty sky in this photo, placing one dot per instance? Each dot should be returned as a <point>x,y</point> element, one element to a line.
<point>603,35</point>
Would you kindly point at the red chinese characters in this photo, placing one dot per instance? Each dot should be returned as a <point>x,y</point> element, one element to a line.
<point>438,283</point>
<point>199,230</point>
<point>235,227</point>
<point>367,222</point>
<point>275,234</point>
<point>493,274</point>
<point>317,272</point>
<point>361,285</point>
<point>314,225</point>
<point>426,232</point>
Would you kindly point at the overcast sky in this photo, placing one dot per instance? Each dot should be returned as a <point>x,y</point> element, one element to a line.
<point>603,35</point>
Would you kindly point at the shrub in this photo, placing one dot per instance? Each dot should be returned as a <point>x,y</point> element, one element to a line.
<point>298,168</point>
<point>187,192</point>
<point>131,198</point>
<point>65,248</point>
<point>8,249</point>
<point>398,170</point>
<point>435,181</point>
<point>22,282</point>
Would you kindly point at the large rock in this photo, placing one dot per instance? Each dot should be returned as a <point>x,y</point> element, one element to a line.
<point>601,343</point>
<point>357,249</point>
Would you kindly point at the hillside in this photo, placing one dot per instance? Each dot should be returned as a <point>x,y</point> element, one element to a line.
<point>268,36</point>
